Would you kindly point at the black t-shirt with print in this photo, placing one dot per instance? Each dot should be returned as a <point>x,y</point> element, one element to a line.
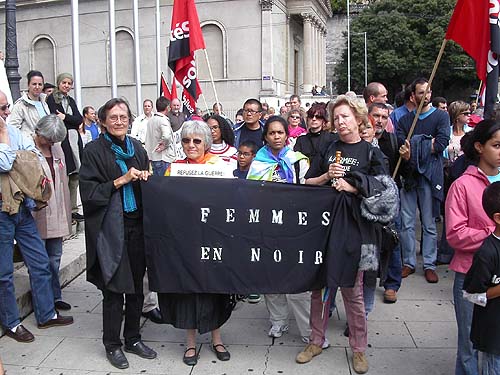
<point>355,157</point>
<point>483,274</point>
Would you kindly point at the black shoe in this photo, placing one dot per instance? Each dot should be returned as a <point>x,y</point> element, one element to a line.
<point>190,361</point>
<point>58,321</point>
<point>77,217</point>
<point>21,334</point>
<point>140,349</point>
<point>154,315</point>
<point>61,305</point>
<point>221,356</point>
<point>346,331</point>
<point>117,358</point>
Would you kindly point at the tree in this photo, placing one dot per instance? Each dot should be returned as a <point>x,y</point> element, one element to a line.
<point>404,38</point>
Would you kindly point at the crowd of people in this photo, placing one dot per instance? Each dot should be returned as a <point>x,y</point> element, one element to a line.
<point>351,145</point>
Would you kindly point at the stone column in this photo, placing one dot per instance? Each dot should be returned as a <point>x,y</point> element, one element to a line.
<point>317,47</point>
<point>307,78</point>
<point>267,87</point>
<point>323,60</point>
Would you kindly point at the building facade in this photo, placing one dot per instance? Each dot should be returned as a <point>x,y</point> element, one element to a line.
<point>267,49</point>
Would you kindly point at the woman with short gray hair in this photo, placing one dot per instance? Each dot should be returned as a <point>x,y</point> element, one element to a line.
<point>54,221</point>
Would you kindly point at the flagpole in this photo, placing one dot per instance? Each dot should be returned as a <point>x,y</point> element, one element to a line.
<point>159,73</point>
<point>205,101</point>
<point>211,76</point>
<point>421,104</point>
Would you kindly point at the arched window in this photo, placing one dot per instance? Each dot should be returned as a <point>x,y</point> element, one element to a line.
<point>125,71</point>
<point>43,57</point>
<point>215,41</point>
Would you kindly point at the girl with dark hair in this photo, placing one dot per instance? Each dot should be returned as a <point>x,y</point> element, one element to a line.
<point>222,139</point>
<point>31,106</point>
<point>278,163</point>
<point>467,226</point>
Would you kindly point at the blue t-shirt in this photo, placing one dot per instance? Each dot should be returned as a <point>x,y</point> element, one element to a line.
<point>493,179</point>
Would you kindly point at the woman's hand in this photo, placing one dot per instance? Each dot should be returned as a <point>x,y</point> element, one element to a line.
<point>343,185</point>
<point>336,170</point>
<point>133,174</point>
<point>61,115</point>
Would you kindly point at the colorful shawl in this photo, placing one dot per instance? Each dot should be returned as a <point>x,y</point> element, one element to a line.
<point>265,163</point>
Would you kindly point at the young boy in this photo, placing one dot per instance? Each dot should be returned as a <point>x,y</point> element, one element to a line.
<point>484,278</point>
<point>246,154</point>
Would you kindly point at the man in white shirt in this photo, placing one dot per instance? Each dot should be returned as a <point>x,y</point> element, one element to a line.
<point>140,124</point>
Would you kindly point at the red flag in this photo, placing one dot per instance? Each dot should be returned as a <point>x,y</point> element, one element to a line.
<point>164,91</point>
<point>470,27</point>
<point>185,38</point>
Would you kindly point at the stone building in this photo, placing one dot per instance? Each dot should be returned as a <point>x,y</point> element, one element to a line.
<point>267,49</point>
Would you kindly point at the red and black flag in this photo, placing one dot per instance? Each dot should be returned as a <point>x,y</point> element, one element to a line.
<point>164,91</point>
<point>474,25</point>
<point>185,38</point>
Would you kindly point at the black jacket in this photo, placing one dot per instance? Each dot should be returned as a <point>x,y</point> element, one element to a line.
<point>72,122</point>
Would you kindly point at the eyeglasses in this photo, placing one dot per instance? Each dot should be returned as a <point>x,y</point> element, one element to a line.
<point>4,107</point>
<point>250,111</point>
<point>295,117</point>
<point>318,117</point>
<point>187,141</point>
<point>467,113</point>
<point>215,127</point>
<point>245,154</point>
<point>115,119</point>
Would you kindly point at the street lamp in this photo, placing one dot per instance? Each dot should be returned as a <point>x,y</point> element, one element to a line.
<point>11,60</point>
<point>348,49</point>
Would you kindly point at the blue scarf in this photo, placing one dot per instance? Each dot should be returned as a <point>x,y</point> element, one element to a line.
<point>129,204</point>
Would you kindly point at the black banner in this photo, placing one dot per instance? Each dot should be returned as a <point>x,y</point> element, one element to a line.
<point>235,236</point>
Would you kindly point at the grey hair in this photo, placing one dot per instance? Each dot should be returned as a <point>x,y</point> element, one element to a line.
<point>196,127</point>
<point>51,128</point>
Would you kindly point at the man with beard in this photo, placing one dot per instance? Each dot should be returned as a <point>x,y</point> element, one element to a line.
<point>423,178</point>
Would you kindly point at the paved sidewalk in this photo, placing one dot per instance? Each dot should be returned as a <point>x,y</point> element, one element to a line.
<point>417,335</point>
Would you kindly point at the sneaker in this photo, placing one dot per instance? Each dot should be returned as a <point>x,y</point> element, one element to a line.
<point>308,353</point>
<point>277,330</point>
<point>359,362</point>
<point>326,343</point>
<point>253,298</point>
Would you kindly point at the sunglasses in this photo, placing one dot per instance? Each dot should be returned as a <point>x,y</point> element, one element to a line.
<point>196,141</point>
<point>4,107</point>
<point>295,117</point>
<point>319,117</point>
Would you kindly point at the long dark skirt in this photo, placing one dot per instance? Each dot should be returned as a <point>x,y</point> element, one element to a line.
<point>204,312</point>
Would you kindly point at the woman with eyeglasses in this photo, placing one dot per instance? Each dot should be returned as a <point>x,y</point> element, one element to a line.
<point>64,106</point>
<point>31,106</point>
<point>222,139</point>
<point>294,129</point>
<point>316,138</point>
<point>112,168</point>
<point>197,312</point>
<point>459,112</point>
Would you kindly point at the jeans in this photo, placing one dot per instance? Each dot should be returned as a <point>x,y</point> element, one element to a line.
<point>22,228</point>
<point>355,313</point>
<point>467,357</point>
<point>393,277</point>
<point>159,167</point>
<point>421,196</point>
<point>369,286</point>
<point>54,251</point>
<point>491,364</point>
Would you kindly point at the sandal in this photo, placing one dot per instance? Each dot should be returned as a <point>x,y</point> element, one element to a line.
<point>221,356</point>
<point>191,360</point>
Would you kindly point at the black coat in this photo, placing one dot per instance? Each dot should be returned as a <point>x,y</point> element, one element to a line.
<point>107,268</point>
<point>72,122</point>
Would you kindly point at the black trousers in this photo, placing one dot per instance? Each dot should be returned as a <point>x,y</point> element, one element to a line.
<point>133,264</point>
